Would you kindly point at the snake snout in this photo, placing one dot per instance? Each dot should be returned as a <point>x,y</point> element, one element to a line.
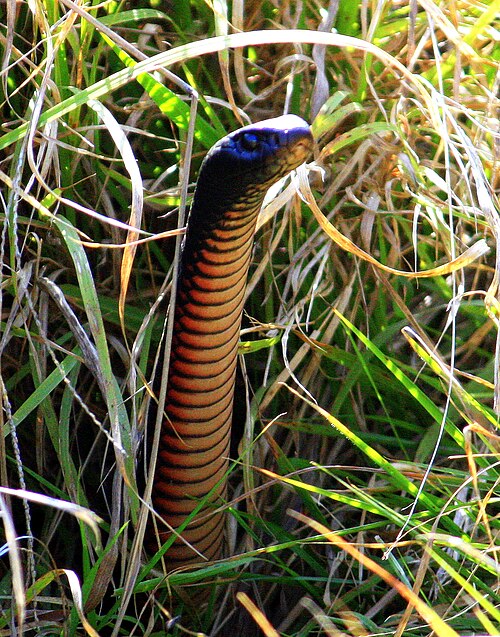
<point>300,144</point>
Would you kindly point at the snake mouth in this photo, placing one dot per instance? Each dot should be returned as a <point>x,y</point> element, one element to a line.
<point>298,152</point>
<point>299,147</point>
<point>303,148</point>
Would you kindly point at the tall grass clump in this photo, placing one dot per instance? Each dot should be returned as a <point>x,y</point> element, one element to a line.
<point>365,462</point>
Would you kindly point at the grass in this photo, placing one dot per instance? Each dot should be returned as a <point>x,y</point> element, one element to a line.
<point>363,492</point>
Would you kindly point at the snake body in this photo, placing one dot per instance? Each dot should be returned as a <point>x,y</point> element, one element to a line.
<point>194,441</point>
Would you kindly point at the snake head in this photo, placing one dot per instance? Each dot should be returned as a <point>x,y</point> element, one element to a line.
<point>245,163</point>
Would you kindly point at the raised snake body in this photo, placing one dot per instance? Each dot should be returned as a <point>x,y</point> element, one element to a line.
<point>194,443</point>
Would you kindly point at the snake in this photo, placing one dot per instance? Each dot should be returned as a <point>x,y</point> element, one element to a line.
<point>190,479</point>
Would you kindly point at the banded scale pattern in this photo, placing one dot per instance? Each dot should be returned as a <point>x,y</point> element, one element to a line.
<point>193,455</point>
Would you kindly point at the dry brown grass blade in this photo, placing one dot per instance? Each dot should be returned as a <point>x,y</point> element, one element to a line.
<point>221,21</point>
<point>257,615</point>
<point>426,612</point>
<point>167,234</point>
<point>85,515</point>
<point>476,251</point>
<point>351,621</point>
<point>469,430</point>
<point>135,220</point>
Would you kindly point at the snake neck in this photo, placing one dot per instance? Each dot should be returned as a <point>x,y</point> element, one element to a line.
<point>195,437</point>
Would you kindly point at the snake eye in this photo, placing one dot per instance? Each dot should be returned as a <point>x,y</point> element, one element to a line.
<point>249,141</point>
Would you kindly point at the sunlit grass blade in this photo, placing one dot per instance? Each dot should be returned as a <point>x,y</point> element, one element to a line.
<point>426,612</point>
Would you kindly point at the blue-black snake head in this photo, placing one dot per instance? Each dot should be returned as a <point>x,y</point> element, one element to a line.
<point>245,163</point>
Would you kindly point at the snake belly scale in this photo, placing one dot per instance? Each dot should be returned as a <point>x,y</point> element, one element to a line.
<point>194,441</point>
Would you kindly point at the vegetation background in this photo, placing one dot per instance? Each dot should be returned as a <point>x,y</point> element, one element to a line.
<point>364,489</point>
